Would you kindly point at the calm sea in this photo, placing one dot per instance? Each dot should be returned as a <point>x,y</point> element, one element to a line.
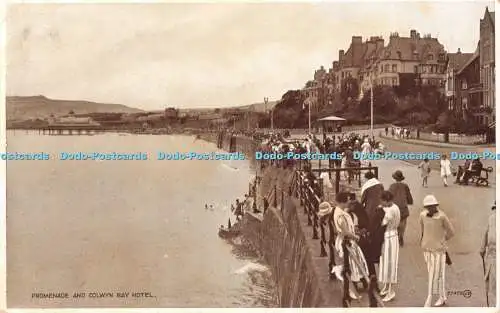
<point>98,228</point>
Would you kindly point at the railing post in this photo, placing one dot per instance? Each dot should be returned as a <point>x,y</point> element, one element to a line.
<point>376,172</point>
<point>321,190</point>
<point>315,221</point>
<point>275,202</point>
<point>282,199</point>
<point>323,239</point>
<point>309,209</point>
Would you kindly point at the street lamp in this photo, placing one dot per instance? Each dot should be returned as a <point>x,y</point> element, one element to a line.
<point>266,100</point>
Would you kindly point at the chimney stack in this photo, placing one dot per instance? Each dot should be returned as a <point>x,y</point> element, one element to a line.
<point>459,51</point>
<point>413,34</point>
<point>357,40</point>
<point>380,43</point>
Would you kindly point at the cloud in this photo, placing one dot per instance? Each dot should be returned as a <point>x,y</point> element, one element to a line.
<point>147,55</point>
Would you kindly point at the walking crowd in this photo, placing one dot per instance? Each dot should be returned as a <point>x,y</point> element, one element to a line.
<point>368,234</point>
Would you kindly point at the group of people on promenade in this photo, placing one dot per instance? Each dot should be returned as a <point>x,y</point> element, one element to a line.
<point>463,175</point>
<point>373,230</point>
<point>398,132</point>
<point>344,145</point>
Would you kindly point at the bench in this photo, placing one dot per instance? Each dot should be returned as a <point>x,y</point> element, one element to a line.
<point>480,179</point>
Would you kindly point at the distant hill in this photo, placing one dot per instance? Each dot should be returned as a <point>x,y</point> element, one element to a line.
<point>258,107</point>
<point>23,108</point>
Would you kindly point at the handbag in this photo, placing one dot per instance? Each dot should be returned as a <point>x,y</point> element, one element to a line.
<point>448,259</point>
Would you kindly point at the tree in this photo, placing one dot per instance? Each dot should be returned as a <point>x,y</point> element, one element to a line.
<point>349,89</point>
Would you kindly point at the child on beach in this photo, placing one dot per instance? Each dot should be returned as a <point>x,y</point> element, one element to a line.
<point>425,170</point>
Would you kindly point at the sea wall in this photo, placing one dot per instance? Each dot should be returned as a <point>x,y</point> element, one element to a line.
<point>282,243</point>
<point>283,238</point>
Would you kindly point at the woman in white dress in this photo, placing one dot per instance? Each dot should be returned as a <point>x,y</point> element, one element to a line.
<point>366,149</point>
<point>343,164</point>
<point>345,228</point>
<point>388,265</point>
<point>445,169</point>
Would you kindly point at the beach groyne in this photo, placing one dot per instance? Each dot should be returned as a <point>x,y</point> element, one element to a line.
<point>282,237</point>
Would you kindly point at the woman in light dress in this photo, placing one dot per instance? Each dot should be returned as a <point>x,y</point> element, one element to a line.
<point>445,169</point>
<point>425,171</point>
<point>366,149</point>
<point>389,259</point>
<point>436,231</point>
<point>343,164</point>
<point>345,224</point>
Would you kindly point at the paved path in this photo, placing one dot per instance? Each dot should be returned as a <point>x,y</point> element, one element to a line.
<point>468,208</point>
<point>402,146</point>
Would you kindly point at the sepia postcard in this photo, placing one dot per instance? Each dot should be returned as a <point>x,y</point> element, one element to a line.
<point>250,155</point>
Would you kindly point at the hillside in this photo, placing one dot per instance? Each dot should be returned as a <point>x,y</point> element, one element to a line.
<point>258,107</point>
<point>23,108</point>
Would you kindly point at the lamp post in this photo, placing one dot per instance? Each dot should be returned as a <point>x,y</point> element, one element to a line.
<point>309,106</point>
<point>266,100</point>
<point>371,106</point>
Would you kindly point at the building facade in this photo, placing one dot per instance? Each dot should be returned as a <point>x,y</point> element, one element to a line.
<point>469,91</point>
<point>475,80</point>
<point>454,63</point>
<point>487,67</point>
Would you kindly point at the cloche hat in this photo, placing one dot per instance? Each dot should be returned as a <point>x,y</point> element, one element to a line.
<point>430,200</point>
<point>325,208</point>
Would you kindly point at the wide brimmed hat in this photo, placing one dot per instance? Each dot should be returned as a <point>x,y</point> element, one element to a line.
<point>325,208</point>
<point>398,175</point>
<point>430,200</point>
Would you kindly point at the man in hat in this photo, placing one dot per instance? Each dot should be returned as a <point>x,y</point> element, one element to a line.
<point>488,253</point>
<point>402,198</point>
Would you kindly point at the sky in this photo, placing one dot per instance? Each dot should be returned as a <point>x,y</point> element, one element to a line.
<point>152,56</point>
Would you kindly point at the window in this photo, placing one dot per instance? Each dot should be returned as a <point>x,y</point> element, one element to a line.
<point>381,69</point>
<point>464,84</point>
<point>415,69</point>
<point>394,68</point>
<point>431,57</point>
<point>386,68</point>
<point>394,81</point>
<point>464,103</point>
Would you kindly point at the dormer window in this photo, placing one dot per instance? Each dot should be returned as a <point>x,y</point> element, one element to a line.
<point>399,55</point>
<point>387,54</point>
<point>431,57</point>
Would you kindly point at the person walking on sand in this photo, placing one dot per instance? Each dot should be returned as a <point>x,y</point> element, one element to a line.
<point>445,169</point>
<point>425,171</point>
<point>436,230</point>
<point>388,271</point>
<point>488,254</point>
<point>402,198</point>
